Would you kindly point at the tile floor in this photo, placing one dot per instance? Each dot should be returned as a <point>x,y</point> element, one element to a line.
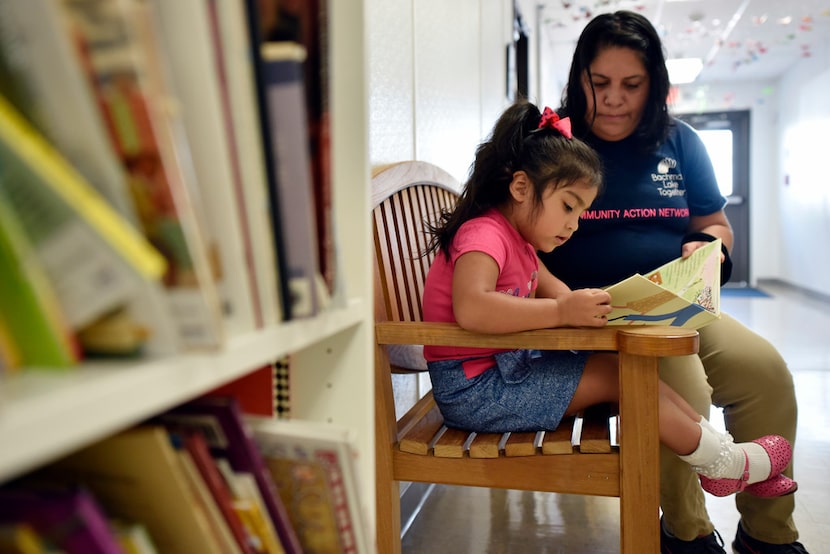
<point>465,520</point>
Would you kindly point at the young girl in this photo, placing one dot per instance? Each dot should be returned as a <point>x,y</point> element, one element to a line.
<point>530,182</point>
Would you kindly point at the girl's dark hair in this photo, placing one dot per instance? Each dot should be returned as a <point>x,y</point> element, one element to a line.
<point>516,144</point>
<point>621,29</point>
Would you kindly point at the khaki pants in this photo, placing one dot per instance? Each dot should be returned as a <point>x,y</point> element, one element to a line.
<point>741,372</point>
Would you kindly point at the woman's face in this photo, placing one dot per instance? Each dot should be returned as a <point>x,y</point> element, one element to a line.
<point>621,83</point>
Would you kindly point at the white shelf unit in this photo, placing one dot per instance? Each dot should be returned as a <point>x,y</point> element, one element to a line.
<point>45,414</point>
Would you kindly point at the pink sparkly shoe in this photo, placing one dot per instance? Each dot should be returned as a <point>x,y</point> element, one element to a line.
<point>780,485</point>
<point>780,453</point>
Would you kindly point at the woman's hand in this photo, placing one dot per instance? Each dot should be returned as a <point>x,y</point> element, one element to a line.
<point>584,308</point>
<point>689,247</point>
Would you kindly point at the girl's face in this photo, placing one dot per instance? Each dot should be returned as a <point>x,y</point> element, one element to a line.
<point>547,226</point>
<point>621,83</point>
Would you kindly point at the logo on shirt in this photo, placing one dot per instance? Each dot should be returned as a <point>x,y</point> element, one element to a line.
<point>665,165</point>
<point>668,183</point>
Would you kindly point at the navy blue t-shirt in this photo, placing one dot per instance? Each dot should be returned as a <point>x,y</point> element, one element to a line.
<point>639,219</point>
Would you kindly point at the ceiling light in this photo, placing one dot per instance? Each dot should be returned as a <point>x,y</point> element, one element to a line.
<point>683,70</point>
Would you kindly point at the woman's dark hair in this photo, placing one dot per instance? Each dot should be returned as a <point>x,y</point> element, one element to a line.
<point>516,144</point>
<point>621,29</point>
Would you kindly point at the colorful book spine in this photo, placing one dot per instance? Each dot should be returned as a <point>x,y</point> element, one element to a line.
<point>35,330</point>
<point>95,261</point>
<point>234,42</point>
<point>198,449</point>
<point>219,419</point>
<point>137,476</point>
<point>196,79</point>
<point>19,139</point>
<point>125,67</point>
<point>72,520</point>
<point>307,23</point>
<point>285,107</point>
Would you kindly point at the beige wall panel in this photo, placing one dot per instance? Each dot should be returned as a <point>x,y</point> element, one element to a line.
<point>391,86</point>
<point>447,83</point>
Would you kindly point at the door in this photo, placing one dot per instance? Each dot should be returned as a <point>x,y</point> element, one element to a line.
<point>726,135</point>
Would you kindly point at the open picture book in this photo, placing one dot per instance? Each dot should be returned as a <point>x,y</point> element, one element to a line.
<point>681,293</point>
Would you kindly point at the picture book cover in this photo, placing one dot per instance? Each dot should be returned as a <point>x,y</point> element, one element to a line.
<point>681,293</point>
<point>313,466</point>
<point>220,420</point>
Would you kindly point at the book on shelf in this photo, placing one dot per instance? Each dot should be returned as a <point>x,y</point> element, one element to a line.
<point>95,260</point>
<point>246,41</point>
<point>313,465</point>
<point>198,80</point>
<point>10,357</point>
<point>137,476</point>
<point>20,538</point>
<point>197,449</point>
<point>236,73</point>
<point>113,39</point>
<point>285,106</point>
<point>216,522</point>
<point>45,81</point>
<point>133,537</point>
<point>34,328</point>
<point>36,53</point>
<point>67,518</point>
<point>307,23</point>
<point>280,89</point>
<point>681,293</point>
<point>249,505</point>
<point>220,420</point>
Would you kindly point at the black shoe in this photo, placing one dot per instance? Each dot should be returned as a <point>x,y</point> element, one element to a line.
<point>744,544</point>
<point>709,544</point>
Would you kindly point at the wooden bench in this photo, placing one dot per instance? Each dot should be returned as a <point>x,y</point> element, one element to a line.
<point>577,458</point>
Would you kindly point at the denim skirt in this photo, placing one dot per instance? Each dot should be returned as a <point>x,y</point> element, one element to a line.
<point>527,390</point>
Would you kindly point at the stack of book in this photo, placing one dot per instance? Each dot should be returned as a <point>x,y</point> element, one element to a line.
<point>162,191</point>
<point>199,478</point>
<point>165,199</point>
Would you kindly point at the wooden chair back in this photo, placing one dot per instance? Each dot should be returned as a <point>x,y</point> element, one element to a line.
<point>576,458</point>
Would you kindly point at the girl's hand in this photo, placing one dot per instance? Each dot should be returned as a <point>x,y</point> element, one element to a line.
<point>584,308</point>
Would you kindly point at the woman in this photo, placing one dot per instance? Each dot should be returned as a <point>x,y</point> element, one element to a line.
<point>616,98</point>
<point>530,182</point>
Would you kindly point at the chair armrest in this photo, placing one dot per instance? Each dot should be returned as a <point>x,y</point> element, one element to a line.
<point>645,340</point>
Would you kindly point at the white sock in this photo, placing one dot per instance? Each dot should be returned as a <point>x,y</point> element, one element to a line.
<point>759,462</point>
<point>706,423</point>
<point>717,456</point>
<point>708,449</point>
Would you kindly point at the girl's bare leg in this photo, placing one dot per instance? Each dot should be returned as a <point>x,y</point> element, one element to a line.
<point>600,384</point>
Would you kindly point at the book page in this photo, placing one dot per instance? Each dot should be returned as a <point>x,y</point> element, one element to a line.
<point>696,279</point>
<point>681,293</point>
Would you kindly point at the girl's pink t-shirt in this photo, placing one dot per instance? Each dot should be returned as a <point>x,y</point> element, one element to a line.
<point>493,235</point>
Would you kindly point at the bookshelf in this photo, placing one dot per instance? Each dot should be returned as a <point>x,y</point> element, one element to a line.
<point>45,413</point>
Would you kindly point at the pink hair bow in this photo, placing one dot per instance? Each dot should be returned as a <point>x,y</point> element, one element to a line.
<point>551,120</point>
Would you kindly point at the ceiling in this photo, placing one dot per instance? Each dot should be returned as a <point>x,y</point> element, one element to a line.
<point>738,40</point>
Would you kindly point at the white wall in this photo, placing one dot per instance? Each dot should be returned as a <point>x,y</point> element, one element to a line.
<point>803,186</point>
<point>436,78</point>
<point>761,99</point>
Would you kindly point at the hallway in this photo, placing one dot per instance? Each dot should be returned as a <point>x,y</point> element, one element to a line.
<point>462,520</point>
